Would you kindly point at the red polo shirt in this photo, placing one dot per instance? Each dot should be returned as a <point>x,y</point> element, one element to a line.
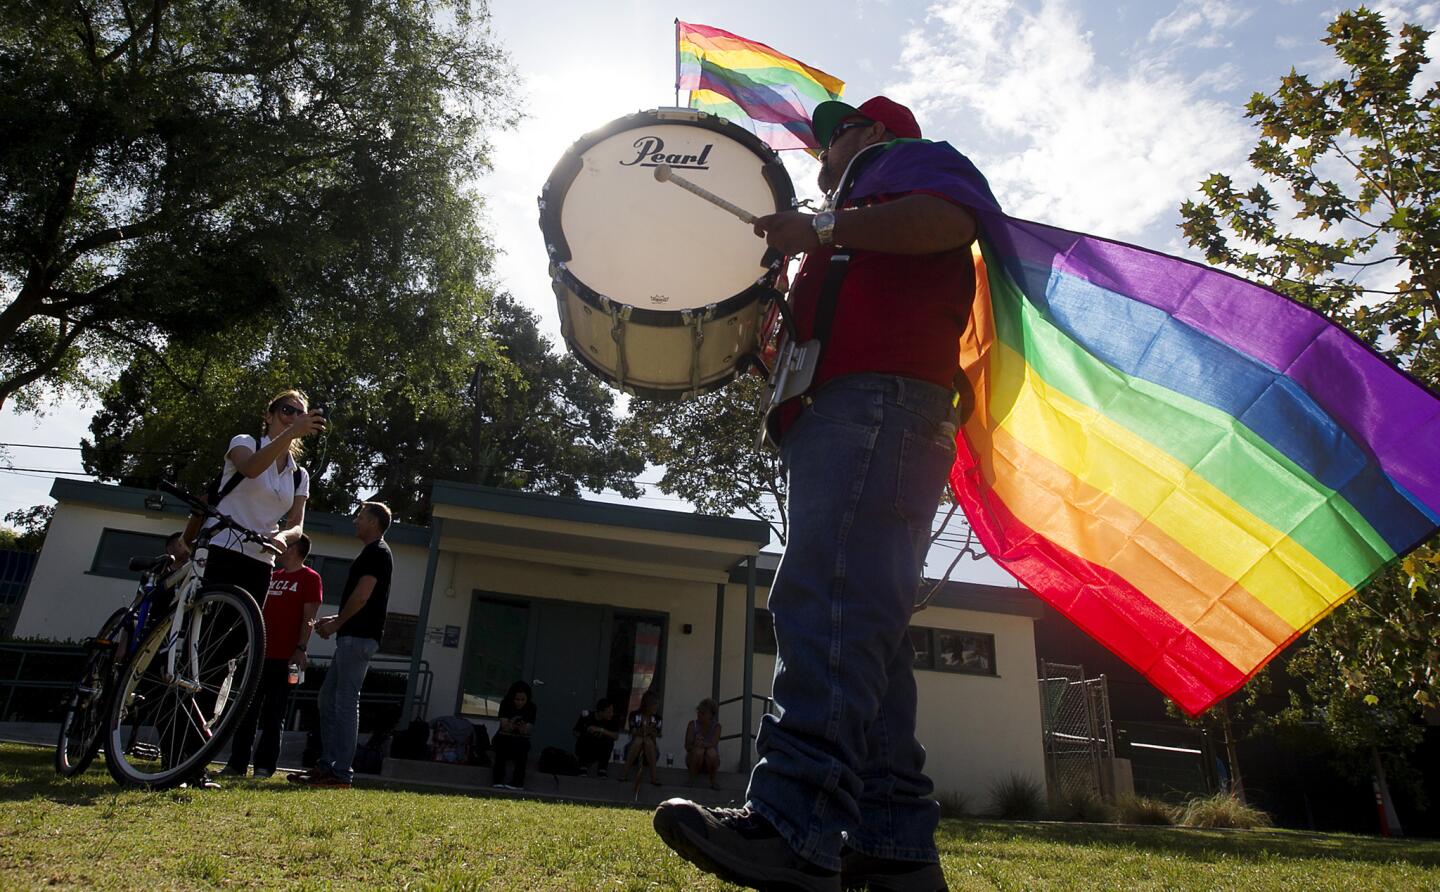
<point>898,314</point>
<point>284,606</point>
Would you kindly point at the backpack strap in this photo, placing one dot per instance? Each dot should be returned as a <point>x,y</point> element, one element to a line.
<point>235,479</point>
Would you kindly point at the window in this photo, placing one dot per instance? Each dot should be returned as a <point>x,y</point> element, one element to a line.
<point>924,656</point>
<point>333,572</point>
<point>764,631</point>
<point>495,654</point>
<point>117,547</point>
<point>969,652</point>
<point>398,638</point>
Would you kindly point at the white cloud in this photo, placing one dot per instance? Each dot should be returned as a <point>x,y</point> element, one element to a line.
<point>1199,22</point>
<point>1062,137</point>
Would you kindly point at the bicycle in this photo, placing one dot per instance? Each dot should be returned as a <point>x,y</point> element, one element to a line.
<point>82,724</point>
<point>176,695</point>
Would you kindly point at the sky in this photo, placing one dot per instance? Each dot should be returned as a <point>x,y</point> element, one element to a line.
<point>1096,116</point>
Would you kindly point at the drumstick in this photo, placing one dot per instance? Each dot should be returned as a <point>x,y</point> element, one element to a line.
<point>665,175</point>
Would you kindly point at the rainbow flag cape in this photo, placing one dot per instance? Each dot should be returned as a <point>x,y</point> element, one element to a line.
<point>1192,468</point>
<point>750,84</point>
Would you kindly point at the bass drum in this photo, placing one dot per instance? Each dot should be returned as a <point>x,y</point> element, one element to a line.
<point>662,293</point>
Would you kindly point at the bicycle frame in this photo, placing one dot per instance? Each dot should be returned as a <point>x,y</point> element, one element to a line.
<point>182,666</point>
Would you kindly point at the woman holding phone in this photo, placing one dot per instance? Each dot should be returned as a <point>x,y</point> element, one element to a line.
<point>263,487</point>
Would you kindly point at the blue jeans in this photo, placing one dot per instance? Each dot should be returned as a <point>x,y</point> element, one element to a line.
<point>866,464</point>
<point>340,704</point>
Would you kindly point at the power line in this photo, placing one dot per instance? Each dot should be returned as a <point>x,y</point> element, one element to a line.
<point>44,471</point>
<point>97,448</point>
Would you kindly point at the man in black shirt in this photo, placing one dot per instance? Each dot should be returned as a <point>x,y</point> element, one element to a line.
<point>595,736</point>
<point>357,629</point>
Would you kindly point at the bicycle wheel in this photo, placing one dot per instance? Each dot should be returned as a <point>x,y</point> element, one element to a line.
<point>82,724</point>
<point>163,731</point>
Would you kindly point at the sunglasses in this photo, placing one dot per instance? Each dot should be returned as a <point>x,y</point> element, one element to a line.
<point>835,134</point>
<point>288,410</point>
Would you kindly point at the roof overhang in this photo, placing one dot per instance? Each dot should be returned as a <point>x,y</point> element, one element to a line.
<point>593,536</point>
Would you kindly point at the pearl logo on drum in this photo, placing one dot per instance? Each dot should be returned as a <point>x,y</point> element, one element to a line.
<point>650,152</point>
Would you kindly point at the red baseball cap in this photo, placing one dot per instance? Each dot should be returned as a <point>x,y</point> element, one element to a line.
<point>897,118</point>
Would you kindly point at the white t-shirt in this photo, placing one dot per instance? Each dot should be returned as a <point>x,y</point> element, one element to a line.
<point>258,503</point>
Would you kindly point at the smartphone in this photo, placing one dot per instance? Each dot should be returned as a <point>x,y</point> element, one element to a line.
<point>323,411</point>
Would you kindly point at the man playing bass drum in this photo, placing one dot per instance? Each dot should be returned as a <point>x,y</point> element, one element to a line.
<point>839,792</point>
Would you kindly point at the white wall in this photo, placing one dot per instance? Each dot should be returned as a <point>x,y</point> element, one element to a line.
<point>66,601</point>
<point>976,729</point>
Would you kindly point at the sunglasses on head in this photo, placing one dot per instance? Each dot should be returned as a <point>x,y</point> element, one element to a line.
<point>835,134</point>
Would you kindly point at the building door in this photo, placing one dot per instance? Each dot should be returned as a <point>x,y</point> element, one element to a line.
<point>566,673</point>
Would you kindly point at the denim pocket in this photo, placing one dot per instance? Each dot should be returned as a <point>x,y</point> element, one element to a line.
<point>861,408</point>
<point>925,462</point>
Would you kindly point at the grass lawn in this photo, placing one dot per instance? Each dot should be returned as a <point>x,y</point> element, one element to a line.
<point>87,833</point>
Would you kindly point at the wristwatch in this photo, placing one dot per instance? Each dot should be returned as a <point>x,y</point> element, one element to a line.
<point>824,224</point>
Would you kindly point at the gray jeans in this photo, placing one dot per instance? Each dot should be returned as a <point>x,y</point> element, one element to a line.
<point>340,704</point>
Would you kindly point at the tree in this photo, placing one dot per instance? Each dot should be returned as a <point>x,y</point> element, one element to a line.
<point>1358,158</point>
<point>413,398</point>
<point>172,170</point>
<point>708,449</point>
<point>30,526</point>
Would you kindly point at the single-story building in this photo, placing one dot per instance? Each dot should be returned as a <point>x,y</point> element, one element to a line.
<point>587,599</point>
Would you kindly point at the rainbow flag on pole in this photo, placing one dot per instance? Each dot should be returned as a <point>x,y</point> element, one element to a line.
<point>747,82</point>
<point>1192,468</point>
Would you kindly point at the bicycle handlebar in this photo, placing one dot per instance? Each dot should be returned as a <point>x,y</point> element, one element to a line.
<point>169,488</point>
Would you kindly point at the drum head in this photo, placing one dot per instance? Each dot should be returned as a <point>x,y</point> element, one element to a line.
<point>623,235</point>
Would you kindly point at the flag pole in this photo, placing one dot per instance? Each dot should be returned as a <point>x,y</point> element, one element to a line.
<point>677,62</point>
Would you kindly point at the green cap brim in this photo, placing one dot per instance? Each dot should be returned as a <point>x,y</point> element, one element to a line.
<point>827,116</point>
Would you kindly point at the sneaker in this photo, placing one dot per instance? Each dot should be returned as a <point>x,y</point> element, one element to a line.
<point>326,779</point>
<point>262,774</point>
<point>299,777</point>
<point>859,871</point>
<point>738,845</point>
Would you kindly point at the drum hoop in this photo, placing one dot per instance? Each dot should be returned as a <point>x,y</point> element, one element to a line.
<point>655,394</point>
<point>759,291</point>
<point>569,165</point>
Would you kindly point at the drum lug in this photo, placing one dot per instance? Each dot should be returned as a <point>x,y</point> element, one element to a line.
<point>619,315</point>
<point>695,320</point>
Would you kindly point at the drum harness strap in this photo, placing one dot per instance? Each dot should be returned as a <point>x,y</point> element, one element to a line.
<point>829,300</point>
<point>810,353</point>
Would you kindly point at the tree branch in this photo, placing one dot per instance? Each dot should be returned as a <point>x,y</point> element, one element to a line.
<point>138,344</point>
<point>71,300</point>
<point>11,386</point>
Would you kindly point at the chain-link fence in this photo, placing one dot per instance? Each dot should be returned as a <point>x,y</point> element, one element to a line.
<point>1075,721</point>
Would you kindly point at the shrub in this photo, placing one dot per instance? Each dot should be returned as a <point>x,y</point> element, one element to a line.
<point>1082,805</point>
<point>1144,810</point>
<point>953,805</point>
<point>1017,797</point>
<point>1222,811</point>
